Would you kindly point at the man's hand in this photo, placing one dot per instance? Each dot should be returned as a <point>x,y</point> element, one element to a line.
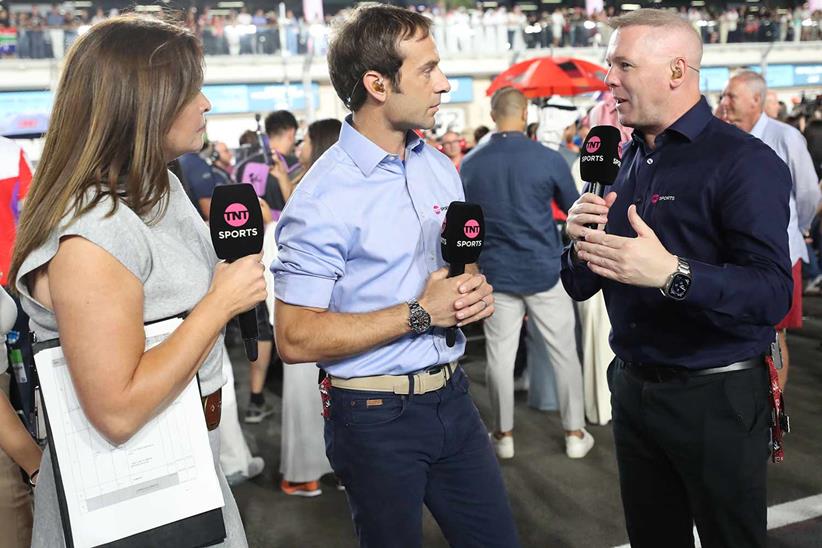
<point>642,261</point>
<point>477,302</point>
<point>588,209</point>
<point>456,301</point>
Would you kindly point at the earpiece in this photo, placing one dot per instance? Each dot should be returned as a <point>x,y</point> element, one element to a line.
<point>378,86</point>
<point>676,72</point>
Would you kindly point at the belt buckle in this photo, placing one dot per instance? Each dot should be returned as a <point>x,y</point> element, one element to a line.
<point>435,370</point>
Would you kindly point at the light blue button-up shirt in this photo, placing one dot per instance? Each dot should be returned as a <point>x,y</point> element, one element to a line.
<point>361,233</point>
<point>791,147</point>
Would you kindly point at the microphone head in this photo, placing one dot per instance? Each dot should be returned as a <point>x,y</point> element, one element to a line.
<point>599,160</point>
<point>463,232</point>
<point>236,221</point>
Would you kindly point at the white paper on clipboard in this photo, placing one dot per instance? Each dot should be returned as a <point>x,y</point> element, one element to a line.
<point>163,474</point>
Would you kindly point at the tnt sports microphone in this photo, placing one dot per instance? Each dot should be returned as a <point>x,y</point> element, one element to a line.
<point>599,160</point>
<point>461,242</point>
<point>236,223</point>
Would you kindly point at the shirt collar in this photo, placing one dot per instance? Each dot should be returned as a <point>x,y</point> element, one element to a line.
<point>759,127</point>
<point>507,134</point>
<point>689,125</point>
<point>366,154</point>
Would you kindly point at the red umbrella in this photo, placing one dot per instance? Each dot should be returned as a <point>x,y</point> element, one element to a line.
<point>546,76</point>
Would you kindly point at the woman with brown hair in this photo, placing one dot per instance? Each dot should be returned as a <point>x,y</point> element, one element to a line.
<point>319,137</point>
<point>109,241</point>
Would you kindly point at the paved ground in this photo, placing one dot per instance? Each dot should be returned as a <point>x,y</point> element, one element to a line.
<point>557,502</point>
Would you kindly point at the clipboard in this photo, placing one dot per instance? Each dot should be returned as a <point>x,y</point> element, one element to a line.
<point>199,529</point>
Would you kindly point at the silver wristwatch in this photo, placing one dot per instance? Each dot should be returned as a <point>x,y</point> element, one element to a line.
<point>418,319</point>
<point>678,283</point>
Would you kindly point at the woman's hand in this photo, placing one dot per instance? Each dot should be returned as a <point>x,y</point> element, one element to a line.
<point>278,169</point>
<point>239,285</point>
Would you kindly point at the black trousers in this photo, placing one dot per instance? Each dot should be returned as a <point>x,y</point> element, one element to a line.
<point>692,450</point>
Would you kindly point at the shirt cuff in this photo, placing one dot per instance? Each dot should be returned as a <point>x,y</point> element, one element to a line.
<point>569,262</point>
<point>706,284</point>
<point>303,290</point>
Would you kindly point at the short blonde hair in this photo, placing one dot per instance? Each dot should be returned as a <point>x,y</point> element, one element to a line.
<point>650,17</point>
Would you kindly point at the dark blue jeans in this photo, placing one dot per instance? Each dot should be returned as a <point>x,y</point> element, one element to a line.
<point>395,453</point>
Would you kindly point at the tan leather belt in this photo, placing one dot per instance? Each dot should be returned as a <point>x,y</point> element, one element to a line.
<point>423,382</point>
<point>212,409</point>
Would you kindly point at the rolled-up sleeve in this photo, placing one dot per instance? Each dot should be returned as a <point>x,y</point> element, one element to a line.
<point>312,246</point>
<point>755,284</point>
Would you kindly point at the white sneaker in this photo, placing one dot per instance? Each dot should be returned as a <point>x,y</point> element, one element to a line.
<point>814,287</point>
<point>255,467</point>
<point>522,383</point>
<point>576,448</point>
<point>504,446</point>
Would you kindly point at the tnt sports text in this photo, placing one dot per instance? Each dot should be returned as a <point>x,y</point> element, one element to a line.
<point>242,233</point>
<point>597,158</point>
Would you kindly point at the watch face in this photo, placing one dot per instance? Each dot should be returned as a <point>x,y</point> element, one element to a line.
<point>420,320</point>
<point>425,321</point>
<point>679,286</point>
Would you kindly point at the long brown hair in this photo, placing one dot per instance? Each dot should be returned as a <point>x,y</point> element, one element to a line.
<point>322,134</point>
<point>123,84</point>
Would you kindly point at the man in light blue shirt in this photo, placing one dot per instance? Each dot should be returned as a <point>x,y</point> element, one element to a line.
<point>361,290</point>
<point>743,105</point>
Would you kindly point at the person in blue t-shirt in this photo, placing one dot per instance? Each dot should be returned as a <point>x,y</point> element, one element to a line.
<point>204,171</point>
<point>515,180</point>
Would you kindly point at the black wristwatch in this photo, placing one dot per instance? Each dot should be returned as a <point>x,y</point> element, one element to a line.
<point>678,283</point>
<point>418,319</point>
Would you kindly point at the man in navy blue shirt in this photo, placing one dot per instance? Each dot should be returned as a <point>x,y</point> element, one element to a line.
<point>695,271</point>
<point>515,179</point>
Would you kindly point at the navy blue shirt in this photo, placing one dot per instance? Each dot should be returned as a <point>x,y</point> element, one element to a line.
<point>514,179</point>
<point>718,198</point>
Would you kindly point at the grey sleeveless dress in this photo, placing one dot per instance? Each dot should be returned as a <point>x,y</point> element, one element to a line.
<point>174,259</point>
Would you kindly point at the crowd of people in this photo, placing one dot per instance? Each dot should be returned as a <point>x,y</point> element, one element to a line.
<point>245,31</point>
<point>366,296</point>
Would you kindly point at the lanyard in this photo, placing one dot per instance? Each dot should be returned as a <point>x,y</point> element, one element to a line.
<point>780,421</point>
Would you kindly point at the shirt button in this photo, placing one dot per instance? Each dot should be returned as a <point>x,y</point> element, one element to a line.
<point>650,161</point>
<point>638,201</point>
<point>632,325</point>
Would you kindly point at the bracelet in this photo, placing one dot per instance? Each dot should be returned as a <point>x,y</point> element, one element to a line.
<point>33,478</point>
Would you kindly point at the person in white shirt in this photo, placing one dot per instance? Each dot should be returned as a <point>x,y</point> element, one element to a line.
<point>743,104</point>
